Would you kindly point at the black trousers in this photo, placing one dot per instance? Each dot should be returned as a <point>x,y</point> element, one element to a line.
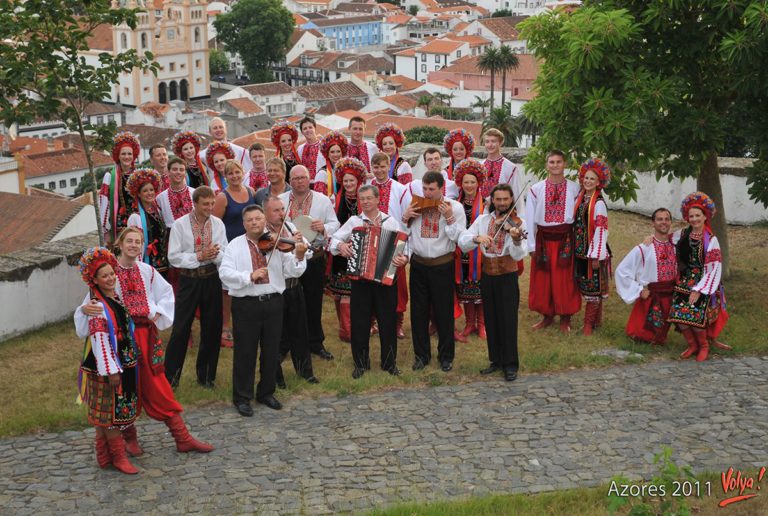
<point>313,283</point>
<point>192,293</point>
<point>370,298</point>
<point>255,324</point>
<point>294,337</point>
<point>432,286</point>
<point>501,300</point>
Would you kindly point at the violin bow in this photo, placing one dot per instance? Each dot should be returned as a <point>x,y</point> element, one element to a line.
<point>514,206</point>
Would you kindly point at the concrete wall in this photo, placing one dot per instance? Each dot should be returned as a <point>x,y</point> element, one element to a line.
<point>41,285</point>
<point>652,194</point>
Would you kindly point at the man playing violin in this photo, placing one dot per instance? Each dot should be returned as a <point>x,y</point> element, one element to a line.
<point>499,234</point>
<point>295,334</point>
<point>256,280</point>
<point>433,233</point>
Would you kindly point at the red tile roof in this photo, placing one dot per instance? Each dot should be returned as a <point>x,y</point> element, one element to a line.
<point>440,46</point>
<point>401,102</point>
<point>32,220</point>
<point>61,161</point>
<point>409,122</point>
<point>268,88</point>
<point>331,91</point>
<point>101,38</point>
<point>404,83</point>
<point>245,105</point>
<point>28,145</point>
<point>504,28</point>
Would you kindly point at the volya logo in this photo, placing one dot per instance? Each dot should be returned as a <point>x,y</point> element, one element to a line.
<point>739,483</point>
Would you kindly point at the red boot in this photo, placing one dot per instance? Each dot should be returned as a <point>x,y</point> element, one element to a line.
<point>184,441</point>
<point>701,340</point>
<point>590,316</point>
<point>546,321</point>
<point>132,442</point>
<point>345,322</point>
<point>693,346</point>
<point>103,457</point>
<point>399,327</point>
<point>470,316</point>
<point>119,457</point>
<point>480,322</point>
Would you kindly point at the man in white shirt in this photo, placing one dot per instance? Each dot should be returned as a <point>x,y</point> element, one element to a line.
<point>218,130</point>
<point>549,213</point>
<point>358,147</point>
<point>158,157</point>
<point>309,151</point>
<point>176,200</point>
<point>433,160</point>
<point>501,247</point>
<point>257,177</point>
<point>255,279</point>
<point>301,200</point>
<point>195,248</point>
<point>369,297</point>
<point>276,176</point>
<point>499,168</point>
<point>433,233</point>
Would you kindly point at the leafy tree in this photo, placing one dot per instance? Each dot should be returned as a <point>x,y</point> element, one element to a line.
<point>526,126</point>
<point>259,31</point>
<point>87,183</point>
<point>501,13</point>
<point>501,118</point>
<point>489,62</point>
<point>649,86</point>
<point>481,103</point>
<point>44,74</point>
<point>217,61</point>
<point>425,101</point>
<point>450,113</point>
<point>507,62</point>
<point>413,10</point>
<point>426,134</point>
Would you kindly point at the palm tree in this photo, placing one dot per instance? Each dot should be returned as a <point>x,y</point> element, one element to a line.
<point>507,62</point>
<point>481,103</point>
<point>489,62</point>
<point>425,101</point>
<point>501,118</point>
<point>442,97</point>
<point>527,126</point>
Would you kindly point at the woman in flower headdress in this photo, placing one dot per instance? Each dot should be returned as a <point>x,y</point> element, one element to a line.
<point>186,145</point>
<point>143,186</point>
<point>216,156</point>
<point>390,139</point>
<point>469,177</point>
<point>350,174</point>
<point>592,261</point>
<point>146,302</point>
<point>459,144</point>
<point>114,199</point>
<point>284,136</point>
<point>698,301</point>
<point>333,147</point>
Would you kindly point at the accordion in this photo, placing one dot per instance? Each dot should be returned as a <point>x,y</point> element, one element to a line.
<point>373,250</point>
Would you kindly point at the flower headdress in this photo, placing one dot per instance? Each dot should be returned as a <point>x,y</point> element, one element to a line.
<point>218,148</point>
<point>122,139</point>
<point>459,135</point>
<point>698,200</point>
<point>92,260</point>
<point>389,129</point>
<point>331,139</point>
<point>350,166</point>
<point>182,138</point>
<point>470,166</point>
<point>598,167</point>
<point>139,178</point>
<point>280,128</point>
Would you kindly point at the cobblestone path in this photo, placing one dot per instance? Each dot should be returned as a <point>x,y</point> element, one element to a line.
<point>541,432</point>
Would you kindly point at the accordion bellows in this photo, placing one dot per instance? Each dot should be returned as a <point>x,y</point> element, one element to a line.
<point>373,250</point>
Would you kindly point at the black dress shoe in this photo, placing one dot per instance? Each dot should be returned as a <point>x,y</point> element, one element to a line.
<point>418,364</point>
<point>358,372</point>
<point>312,379</point>
<point>490,369</point>
<point>446,366</point>
<point>271,402</point>
<point>324,354</point>
<point>394,371</point>
<point>244,409</point>
<point>510,374</point>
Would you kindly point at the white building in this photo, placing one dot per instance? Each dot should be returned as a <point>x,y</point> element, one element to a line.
<point>277,99</point>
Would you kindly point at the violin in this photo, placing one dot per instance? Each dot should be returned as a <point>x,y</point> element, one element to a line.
<point>512,220</point>
<point>267,243</point>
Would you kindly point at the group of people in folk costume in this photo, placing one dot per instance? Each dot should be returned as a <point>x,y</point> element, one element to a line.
<point>217,233</point>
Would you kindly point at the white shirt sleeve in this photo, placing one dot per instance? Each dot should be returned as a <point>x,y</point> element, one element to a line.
<point>453,231</point>
<point>178,256</point>
<point>598,247</point>
<point>466,238</point>
<point>232,277</point>
<point>160,298</point>
<point>713,269</point>
<point>627,275</point>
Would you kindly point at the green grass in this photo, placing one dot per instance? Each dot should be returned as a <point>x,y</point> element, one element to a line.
<point>38,370</point>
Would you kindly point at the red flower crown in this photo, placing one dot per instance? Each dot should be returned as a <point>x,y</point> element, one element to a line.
<point>280,128</point>
<point>699,200</point>
<point>331,139</point>
<point>139,178</point>
<point>390,129</point>
<point>350,166</point>
<point>92,260</point>
<point>122,139</point>
<point>599,168</point>
<point>459,135</point>
<point>470,166</point>
<point>182,138</point>
<point>218,148</point>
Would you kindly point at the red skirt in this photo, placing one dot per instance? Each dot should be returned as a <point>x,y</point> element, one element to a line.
<point>155,392</point>
<point>648,320</point>
<point>553,289</point>
<point>402,290</point>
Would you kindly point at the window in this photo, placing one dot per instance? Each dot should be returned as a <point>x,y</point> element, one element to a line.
<point>423,68</point>
<point>458,54</point>
<point>423,57</point>
<point>110,118</point>
<point>515,94</point>
<point>172,67</point>
<point>73,182</point>
<point>123,41</point>
<point>52,185</point>
<point>197,34</point>
<point>171,34</point>
<point>99,120</point>
<point>437,58</point>
<point>143,40</point>
<point>63,183</point>
<point>126,91</point>
<point>197,63</point>
<point>437,67</point>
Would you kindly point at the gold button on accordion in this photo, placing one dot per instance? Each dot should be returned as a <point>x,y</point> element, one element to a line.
<point>373,250</point>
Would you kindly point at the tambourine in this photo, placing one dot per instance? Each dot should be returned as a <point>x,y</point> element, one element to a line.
<point>303,224</point>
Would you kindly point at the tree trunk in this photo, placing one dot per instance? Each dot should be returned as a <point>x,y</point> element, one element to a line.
<point>503,87</point>
<point>709,183</point>
<point>493,74</point>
